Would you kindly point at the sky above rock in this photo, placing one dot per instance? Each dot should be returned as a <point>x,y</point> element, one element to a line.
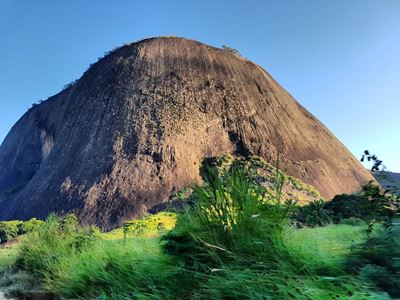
<point>337,58</point>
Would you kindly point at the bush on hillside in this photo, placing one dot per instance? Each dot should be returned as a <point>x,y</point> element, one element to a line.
<point>231,50</point>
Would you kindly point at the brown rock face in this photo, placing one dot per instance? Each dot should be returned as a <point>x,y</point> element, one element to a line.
<point>136,126</point>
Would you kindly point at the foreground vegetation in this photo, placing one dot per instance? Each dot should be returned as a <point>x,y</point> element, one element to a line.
<point>233,240</point>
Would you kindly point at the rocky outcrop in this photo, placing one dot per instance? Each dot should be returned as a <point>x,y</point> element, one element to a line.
<point>136,126</point>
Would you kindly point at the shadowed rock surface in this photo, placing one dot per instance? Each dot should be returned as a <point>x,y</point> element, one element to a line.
<point>136,126</point>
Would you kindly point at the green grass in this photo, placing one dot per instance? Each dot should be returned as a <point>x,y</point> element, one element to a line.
<point>234,242</point>
<point>75,262</point>
<point>137,268</point>
<point>7,258</point>
<point>327,246</point>
<point>113,269</point>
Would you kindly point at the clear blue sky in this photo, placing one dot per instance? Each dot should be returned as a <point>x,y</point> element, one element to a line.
<point>340,59</point>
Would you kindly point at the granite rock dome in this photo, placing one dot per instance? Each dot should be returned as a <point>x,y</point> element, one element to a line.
<point>136,126</point>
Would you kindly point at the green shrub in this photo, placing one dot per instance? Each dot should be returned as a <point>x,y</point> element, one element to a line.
<point>231,50</point>
<point>370,205</point>
<point>9,230</point>
<point>73,262</point>
<point>230,214</point>
<point>29,226</point>
<point>378,259</point>
<point>351,206</point>
<point>151,225</point>
<point>314,214</point>
<point>353,222</point>
<point>41,251</point>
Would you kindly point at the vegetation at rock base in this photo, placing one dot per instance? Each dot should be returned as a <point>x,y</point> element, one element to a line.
<point>378,259</point>
<point>9,230</point>
<point>370,205</point>
<point>149,226</point>
<point>265,174</point>
<point>235,239</point>
<point>314,214</point>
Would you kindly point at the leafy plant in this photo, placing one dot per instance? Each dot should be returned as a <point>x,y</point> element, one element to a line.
<point>150,225</point>
<point>314,214</point>
<point>231,212</point>
<point>29,226</point>
<point>10,230</point>
<point>371,205</point>
<point>378,259</point>
<point>377,163</point>
<point>232,242</point>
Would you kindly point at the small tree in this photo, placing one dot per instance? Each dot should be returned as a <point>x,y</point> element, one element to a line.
<point>377,163</point>
<point>231,50</point>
